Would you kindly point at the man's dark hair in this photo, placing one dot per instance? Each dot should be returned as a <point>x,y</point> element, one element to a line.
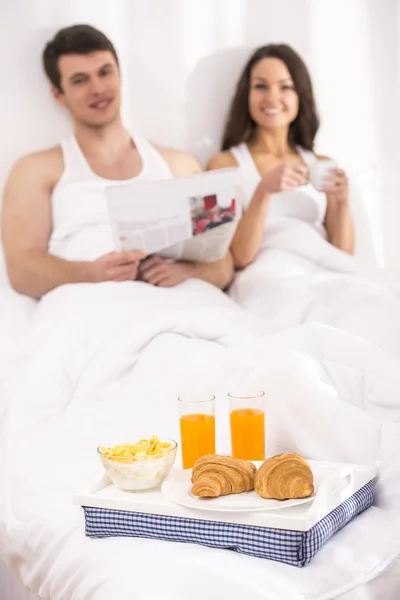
<point>77,39</point>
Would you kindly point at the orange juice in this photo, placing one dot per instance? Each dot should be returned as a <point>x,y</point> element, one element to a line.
<point>197,437</point>
<point>247,433</point>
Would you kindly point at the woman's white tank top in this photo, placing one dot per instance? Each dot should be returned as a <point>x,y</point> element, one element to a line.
<point>81,228</point>
<point>304,203</point>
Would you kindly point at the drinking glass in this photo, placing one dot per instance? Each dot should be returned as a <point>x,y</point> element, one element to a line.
<point>247,424</point>
<point>197,424</point>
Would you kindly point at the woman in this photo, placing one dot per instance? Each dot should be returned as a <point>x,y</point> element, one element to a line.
<point>301,236</point>
<point>270,134</point>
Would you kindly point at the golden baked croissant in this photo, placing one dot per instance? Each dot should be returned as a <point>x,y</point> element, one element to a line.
<point>284,476</point>
<point>214,475</point>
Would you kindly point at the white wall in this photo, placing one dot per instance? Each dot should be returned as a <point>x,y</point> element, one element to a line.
<point>385,69</point>
<point>180,59</point>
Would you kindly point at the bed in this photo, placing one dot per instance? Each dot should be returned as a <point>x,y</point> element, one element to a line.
<point>15,313</point>
<point>298,277</point>
<point>106,360</point>
<point>11,586</point>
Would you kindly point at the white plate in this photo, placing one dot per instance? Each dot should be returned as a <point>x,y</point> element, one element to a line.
<point>177,489</point>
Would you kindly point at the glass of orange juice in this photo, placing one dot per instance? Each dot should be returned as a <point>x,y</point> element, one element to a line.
<point>197,423</point>
<point>247,421</point>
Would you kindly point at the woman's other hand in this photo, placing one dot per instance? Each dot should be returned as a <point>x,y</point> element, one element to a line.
<point>338,221</point>
<point>162,273</point>
<point>337,186</point>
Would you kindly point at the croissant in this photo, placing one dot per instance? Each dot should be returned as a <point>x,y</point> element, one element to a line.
<point>214,475</point>
<point>284,476</point>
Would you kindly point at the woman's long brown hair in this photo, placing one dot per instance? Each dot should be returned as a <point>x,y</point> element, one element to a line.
<point>240,127</point>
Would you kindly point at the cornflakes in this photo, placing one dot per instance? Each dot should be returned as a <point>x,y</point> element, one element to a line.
<point>142,450</point>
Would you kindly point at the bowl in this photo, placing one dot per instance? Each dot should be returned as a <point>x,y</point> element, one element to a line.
<point>140,471</point>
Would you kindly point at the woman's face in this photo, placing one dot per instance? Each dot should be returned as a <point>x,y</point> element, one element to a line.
<point>273,101</point>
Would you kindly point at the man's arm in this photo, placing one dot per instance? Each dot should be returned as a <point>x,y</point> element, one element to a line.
<point>219,272</point>
<point>26,230</point>
<point>26,227</point>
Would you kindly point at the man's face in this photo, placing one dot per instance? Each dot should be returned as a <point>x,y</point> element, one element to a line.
<point>91,87</point>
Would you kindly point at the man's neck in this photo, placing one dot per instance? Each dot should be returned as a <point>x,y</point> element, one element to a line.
<point>109,140</point>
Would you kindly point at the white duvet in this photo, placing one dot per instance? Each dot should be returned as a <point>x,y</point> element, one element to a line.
<point>108,361</point>
<point>299,277</point>
<point>15,314</point>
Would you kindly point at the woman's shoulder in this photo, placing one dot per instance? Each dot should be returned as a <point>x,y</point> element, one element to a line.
<point>222,160</point>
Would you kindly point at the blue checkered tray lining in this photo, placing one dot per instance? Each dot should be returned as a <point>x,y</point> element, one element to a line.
<point>291,547</point>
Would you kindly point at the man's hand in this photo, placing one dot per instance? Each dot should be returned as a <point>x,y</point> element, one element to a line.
<point>157,271</point>
<point>117,266</point>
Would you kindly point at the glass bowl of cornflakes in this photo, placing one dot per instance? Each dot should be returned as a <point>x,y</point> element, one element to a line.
<point>139,465</point>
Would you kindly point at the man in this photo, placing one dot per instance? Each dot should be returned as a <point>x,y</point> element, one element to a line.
<point>54,199</point>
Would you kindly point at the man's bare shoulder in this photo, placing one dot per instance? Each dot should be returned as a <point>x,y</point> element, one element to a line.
<point>180,162</point>
<point>222,160</point>
<point>45,165</point>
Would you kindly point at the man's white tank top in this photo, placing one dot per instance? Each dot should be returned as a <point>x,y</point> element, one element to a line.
<point>304,203</point>
<point>81,228</point>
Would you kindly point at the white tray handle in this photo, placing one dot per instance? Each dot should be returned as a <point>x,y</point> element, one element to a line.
<point>332,486</point>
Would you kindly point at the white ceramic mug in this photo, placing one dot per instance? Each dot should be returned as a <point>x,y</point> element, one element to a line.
<point>320,169</point>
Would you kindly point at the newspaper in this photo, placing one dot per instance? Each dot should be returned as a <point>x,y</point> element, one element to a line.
<point>188,218</point>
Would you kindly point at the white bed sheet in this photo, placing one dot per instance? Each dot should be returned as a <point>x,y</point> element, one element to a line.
<point>16,311</point>
<point>109,360</point>
<point>299,277</point>
<point>386,586</point>
<point>11,587</point>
